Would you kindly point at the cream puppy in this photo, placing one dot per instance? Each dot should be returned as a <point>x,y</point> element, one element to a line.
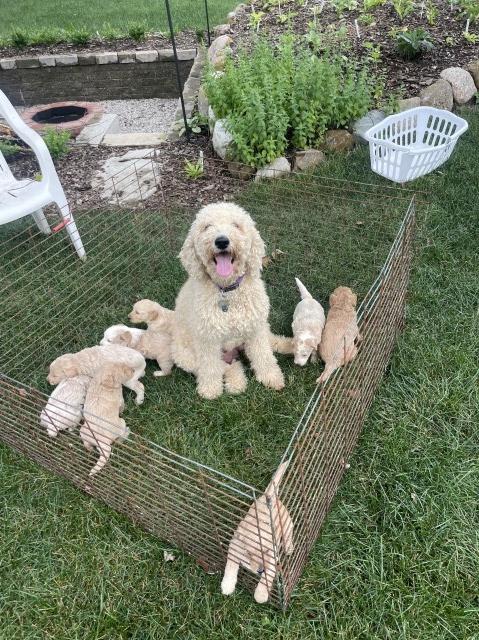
<point>157,318</point>
<point>154,345</point>
<point>89,361</point>
<point>64,407</point>
<point>102,425</point>
<point>340,333</point>
<point>308,325</point>
<point>253,543</point>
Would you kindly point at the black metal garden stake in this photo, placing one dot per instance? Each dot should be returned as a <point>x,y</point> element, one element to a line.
<point>207,22</point>
<point>177,66</point>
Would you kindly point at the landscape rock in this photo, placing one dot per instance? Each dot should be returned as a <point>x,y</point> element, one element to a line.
<point>203,104</point>
<point>66,59</point>
<point>308,159</point>
<point>126,57</point>
<point>46,61</point>
<point>28,63</point>
<point>222,139</point>
<point>211,119</point>
<point>473,69</point>
<point>409,103</point>
<point>240,171</point>
<point>338,140</point>
<point>8,63</point>
<point>276,169</point>
<point>365,123</point>
<point>137,180</point>
<point>438,95</point>
<point>218,51</point>
<point>221,30</point>
<point>93,134</point>
<point>463,86</point>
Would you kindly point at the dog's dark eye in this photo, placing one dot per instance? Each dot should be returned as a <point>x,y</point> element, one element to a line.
<point>235,224</point>
<point>206,227</point>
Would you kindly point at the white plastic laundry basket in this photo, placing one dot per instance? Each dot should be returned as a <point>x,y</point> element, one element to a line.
<point>410,144</point>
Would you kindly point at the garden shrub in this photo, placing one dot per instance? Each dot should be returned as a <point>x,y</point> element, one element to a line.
<point>274,97</point>
<point>56,141</point>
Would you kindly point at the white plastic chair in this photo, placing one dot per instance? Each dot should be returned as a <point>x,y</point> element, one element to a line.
<point>19,198</point>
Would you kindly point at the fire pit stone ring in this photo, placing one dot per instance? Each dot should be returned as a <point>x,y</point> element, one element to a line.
<point>63,116</point>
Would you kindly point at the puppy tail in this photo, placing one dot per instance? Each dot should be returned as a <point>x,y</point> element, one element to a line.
<point>281,344</point>
<point>302,290</point>
<point>102,460</point>
<point>276,480</point>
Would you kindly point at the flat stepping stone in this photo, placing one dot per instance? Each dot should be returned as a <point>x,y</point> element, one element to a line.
<point>133,139</point>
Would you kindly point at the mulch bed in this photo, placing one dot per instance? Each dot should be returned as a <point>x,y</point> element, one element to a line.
<point>184,40</point>
<point>77,168</point>
<point>411,76</point>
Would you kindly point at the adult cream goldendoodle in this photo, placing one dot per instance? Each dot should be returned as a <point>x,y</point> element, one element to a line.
<point>224,304</point>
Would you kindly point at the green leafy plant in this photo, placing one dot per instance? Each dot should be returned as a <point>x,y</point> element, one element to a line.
<point>194,170</point>
<point>412,44</point>
<point>57,142</point>
<point>19,39</point>
<point>194,124</point>
<point>368,5</point>
<point>341,6</point>
<point>432,12</point>
<point>374,51</point>
<point>403,8</point>
<point>137,32</point>
<point>449,41</point>
<point>470,9</point>
<point>109,32</point>
<point>366,19</point>
<point>80,36</point>
<point>48,36</point>
<point>8,149</point>
<point>277,96</point>
<point>286,18</point>
<point>255,20</point>
<point>472,38</point>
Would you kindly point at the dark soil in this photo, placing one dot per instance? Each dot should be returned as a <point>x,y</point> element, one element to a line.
<point>450,46</point>
<point>184,40</point>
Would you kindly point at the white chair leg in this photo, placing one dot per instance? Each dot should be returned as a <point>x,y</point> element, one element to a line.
<point>72,230</point>
<point>41,222</point>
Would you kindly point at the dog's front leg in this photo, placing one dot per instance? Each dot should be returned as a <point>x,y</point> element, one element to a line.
<point>260,354</point>
<point>210,370</point>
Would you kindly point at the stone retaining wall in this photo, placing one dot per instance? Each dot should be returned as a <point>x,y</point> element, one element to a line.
<point>100,76</point>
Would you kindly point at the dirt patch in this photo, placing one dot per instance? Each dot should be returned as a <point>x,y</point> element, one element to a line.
<point>450,46</point>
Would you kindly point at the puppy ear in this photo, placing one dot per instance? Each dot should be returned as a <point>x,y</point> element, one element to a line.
<point>71,370</point>
<point>257,252</point>
<point>188,257</point>
<point>152,315</point>
<point>125,338</point>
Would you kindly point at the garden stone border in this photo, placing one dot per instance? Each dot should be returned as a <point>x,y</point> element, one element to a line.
<point>103,57</point>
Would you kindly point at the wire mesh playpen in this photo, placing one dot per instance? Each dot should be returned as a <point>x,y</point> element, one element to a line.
<point>52,303</point>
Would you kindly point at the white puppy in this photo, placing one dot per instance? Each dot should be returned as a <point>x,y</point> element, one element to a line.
<point>89,361</point>
<point>102,425</point>
<point>64,407</point>
<point>308,325</point>
<point>154,345</point>
<point>253,544</point>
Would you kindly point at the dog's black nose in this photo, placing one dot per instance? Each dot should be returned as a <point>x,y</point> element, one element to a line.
<point>222,242</point>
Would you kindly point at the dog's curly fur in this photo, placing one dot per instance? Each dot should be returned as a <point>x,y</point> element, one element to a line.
<point>202,330</point>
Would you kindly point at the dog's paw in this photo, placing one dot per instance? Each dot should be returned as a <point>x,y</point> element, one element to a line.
<point>159,374</point>
<point>274,379</point>
<point>227,587</point>
<point>210,392</point>
<point>235,379</point>
<point>261,594</point>
<point>140,398</point>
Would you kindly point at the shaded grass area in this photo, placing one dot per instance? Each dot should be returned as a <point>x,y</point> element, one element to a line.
<point>59,305</point>
<point>107,16</point>
<point>398,557</point>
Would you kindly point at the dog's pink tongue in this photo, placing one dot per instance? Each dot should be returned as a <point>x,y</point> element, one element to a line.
<point>224,265</point>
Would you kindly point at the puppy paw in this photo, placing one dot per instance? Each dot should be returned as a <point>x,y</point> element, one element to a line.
<point>274,379</point>
<point>139,399</point>
<point>235,379</point>
<point>261,594</point>
<point>210,392</point>
<point>227,587</point>
<point>159,374</point>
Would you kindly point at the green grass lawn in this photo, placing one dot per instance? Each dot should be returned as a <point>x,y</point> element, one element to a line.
<point>107,15</point>
<point>399,555</point>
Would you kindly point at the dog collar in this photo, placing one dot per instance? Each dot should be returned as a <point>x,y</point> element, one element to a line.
<point>233,286</point>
